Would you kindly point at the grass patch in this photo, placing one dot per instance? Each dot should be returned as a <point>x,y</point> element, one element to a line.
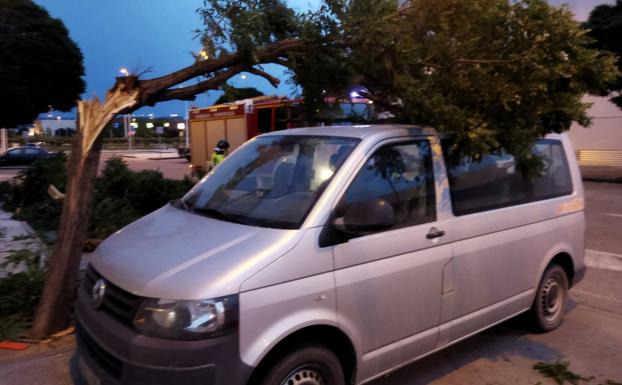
<point>559,372</point>
<point>20,292</point>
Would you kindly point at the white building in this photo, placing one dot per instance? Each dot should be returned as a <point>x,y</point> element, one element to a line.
<point>601,143</point>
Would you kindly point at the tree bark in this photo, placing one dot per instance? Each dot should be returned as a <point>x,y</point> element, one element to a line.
<point>60,284</point>
<point>59,290</point>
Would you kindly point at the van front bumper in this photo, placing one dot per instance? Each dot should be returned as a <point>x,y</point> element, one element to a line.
<point>112,353</point>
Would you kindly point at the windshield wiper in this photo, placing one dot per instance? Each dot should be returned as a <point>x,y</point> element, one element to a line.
<point>216,214</point>
<point>180,204</point>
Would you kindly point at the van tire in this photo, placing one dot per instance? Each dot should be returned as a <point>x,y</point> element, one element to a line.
<point>549,306</point>
<point>306,365</point>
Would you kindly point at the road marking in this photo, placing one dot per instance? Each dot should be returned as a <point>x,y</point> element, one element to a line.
<point>599,296</point>
<point>613,215</point>
<point>603,260</point>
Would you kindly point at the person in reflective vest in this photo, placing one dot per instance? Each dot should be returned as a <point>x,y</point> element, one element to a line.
<point>219,152</point>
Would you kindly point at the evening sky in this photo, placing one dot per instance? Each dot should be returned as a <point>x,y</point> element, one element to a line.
<point>159,35</point>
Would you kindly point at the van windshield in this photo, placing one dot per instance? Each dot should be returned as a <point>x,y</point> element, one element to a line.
<point>272,181</point>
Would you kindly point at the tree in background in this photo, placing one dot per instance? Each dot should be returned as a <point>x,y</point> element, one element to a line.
<point>493,73</point>
<point>40,66</point>
<point>605,26</point>
<point>232,94</point>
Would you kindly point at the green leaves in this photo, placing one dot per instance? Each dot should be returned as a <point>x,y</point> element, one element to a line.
<point>492,73</point>
<point>39,66</point>
<point>560,372</point>
<point>605,27</point>
<point>19,292</point>
<point>242,26</point>
<point>123,195</point>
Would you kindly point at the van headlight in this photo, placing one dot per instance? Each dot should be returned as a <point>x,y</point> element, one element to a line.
<point>187,319</point>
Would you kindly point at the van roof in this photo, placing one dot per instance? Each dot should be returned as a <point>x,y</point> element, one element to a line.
<point>359,131</point>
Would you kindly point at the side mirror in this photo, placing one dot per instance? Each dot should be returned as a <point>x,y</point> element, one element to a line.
<point>366,216</point>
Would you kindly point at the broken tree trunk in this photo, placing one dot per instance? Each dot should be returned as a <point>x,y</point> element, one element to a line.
<point>60,284</point>
<point>64,262</point>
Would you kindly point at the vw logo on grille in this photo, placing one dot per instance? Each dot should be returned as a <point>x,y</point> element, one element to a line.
<point>99,289</point>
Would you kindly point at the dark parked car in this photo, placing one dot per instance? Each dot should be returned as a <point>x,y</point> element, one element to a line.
<point>184,152</point>
<point>23,156</point>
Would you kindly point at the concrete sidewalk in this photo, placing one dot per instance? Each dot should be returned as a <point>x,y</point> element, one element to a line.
<point>15,236</point>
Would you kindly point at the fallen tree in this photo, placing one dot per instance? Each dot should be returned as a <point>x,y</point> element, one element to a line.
<point>495,74</point>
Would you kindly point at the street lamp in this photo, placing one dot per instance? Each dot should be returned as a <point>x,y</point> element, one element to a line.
<point>186,124</point>
<point>123,71</point>
<point>243,77</point>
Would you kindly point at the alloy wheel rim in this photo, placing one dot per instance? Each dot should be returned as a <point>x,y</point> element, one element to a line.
<point>305,375</point>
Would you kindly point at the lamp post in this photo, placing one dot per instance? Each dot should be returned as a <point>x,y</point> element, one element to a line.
<point>3,140</point>
<point>187,112</point>
<point>187,125</point>
<point>126,117</point>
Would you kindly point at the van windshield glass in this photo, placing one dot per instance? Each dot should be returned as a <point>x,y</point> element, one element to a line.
<point>272,181</point>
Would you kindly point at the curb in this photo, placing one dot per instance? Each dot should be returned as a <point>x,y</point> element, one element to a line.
<point>51,352</point>
<point>603,260</point>
<point>602,180</point>
<point>165,158</point>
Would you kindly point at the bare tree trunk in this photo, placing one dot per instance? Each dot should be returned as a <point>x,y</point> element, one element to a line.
<point>60,284</point>
<point>59,290</point>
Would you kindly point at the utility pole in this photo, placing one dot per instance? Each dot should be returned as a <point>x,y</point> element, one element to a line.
<point>4,145</point>
<point>187,124</point>
<point>127,128</point>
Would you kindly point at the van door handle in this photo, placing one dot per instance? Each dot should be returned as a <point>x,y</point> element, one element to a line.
<point>435,233</point>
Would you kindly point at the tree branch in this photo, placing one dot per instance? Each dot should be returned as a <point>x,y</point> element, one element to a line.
<point>262,55</point>
<point>282,62</point>
<point>256,71</point>
<point>188,93</point>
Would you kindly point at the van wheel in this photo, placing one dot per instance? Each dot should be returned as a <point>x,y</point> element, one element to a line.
<point>549,306</point>
<point>307,365</point>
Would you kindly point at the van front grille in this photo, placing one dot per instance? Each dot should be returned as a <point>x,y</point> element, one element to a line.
<point>116,302</point>
<point>112,365</point>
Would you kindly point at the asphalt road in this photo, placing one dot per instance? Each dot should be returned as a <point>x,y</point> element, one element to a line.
<point>604,216</point>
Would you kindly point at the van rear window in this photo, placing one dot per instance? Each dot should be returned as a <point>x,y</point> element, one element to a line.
<point>494,181</point>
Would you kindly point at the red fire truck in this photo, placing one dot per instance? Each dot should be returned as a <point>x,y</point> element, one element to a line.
<point>237,122</point>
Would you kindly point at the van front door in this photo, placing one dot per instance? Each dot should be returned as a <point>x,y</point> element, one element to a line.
<point>389,282</point>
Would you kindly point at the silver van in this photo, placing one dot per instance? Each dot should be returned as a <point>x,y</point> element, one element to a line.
<point>331,256</point>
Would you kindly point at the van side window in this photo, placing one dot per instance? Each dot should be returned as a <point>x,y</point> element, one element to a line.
<point>403,175</point>
<point>494,181</point>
